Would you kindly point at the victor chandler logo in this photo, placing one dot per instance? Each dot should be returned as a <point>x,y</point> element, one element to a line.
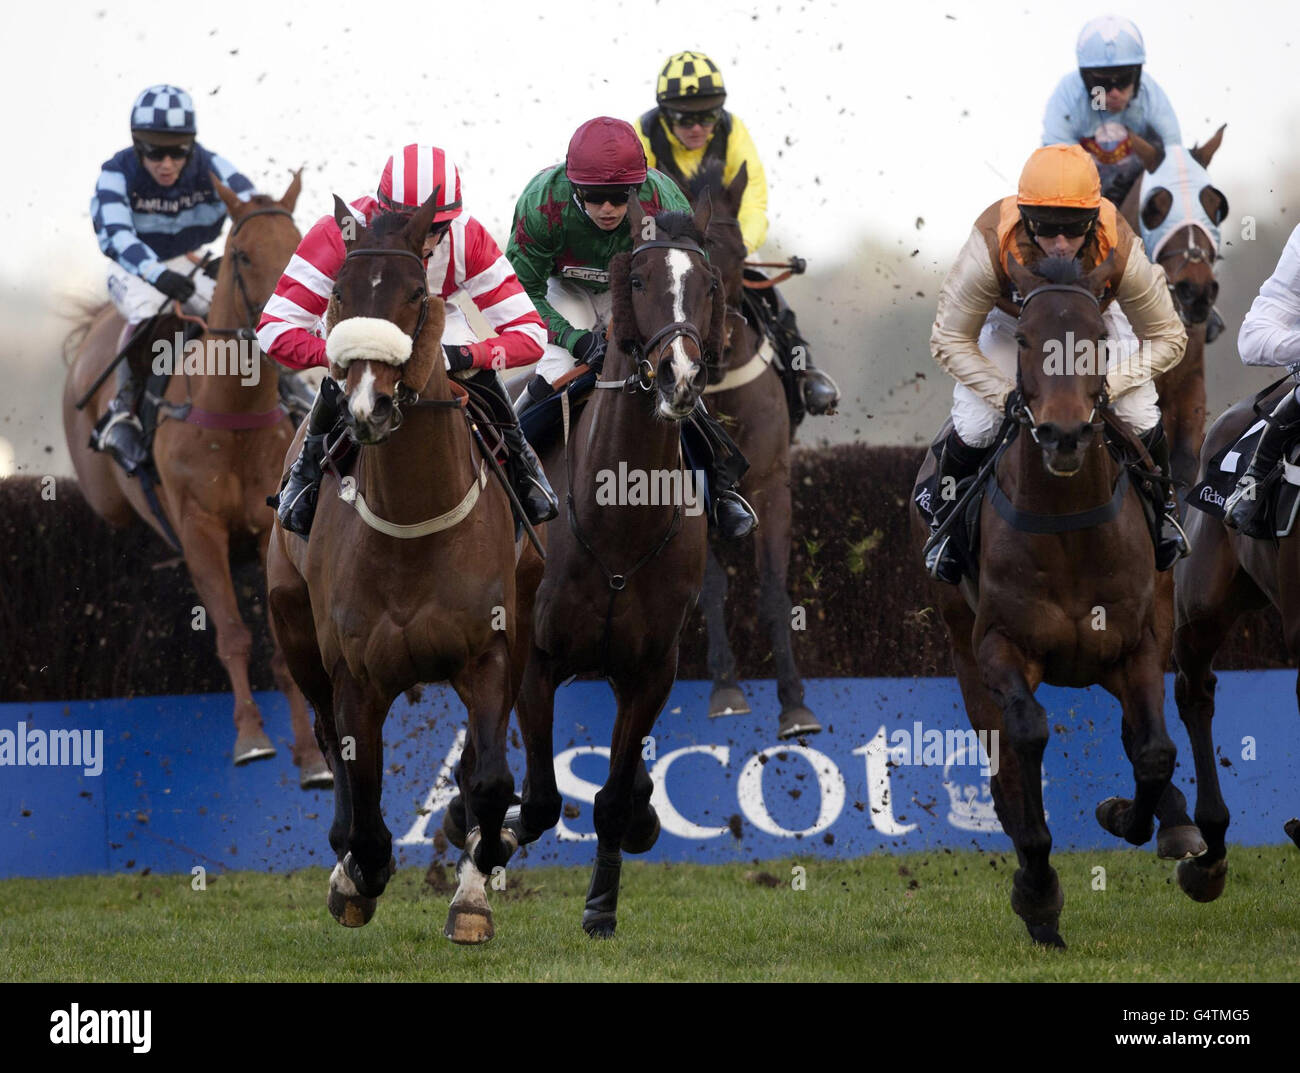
<point>76,1025</point>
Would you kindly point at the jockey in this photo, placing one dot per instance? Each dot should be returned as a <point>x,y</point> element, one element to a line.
<point>154,206</point>
<point>461,259</point>
<point>1059,211</point>
<point>568,225</point>
<point>1104,102</point>
<point>688,126</point>
<point>1270,335</point>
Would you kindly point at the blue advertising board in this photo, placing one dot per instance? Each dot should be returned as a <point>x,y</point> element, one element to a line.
<point>896,770</point>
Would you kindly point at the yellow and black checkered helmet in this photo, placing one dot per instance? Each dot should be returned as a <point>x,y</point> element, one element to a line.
<point>689,75</point>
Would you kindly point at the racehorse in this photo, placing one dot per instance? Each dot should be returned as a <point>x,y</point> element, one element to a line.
<point>1188,256</point>
<point>1071,601</point>
<point>411,574</point>
<point>1226,575</point>
<point>745,393</point>
<point>621,577</point>
<point>216,460</point>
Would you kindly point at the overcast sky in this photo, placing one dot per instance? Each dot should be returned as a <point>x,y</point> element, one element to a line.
<point>866,116</point>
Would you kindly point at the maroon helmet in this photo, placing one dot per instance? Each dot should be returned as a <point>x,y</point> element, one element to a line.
<point>605,152</point>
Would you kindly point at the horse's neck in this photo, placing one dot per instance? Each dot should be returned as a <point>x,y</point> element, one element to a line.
<point>423,469</point>
<point>620,428</point>
<point>253,386</point>
<point>1024,478</point>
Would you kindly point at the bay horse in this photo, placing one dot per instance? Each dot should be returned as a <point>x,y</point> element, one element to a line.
<point>412,573</point>
<point>1226,575</point>
<point>621,577</point>
<point>1067,601</point>
<point>1188,257</point>
<point>217,465</point>
<point>745,393</point>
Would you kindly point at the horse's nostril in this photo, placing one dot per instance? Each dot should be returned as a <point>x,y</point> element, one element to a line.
<point>383,408</point>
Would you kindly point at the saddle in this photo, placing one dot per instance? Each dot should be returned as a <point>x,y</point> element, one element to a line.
<point>765,308</point>
<point>543,421</point>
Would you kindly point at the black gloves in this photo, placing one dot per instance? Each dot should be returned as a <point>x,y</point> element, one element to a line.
<point>174,285</point>
<point>590,350</point>
<point>459,358</point>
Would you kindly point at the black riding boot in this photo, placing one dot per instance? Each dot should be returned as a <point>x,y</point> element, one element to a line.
<point>119,431</point>
<point>1244,508</point>
<point>526,476</point>
<point>536,391</point>
<point>1172,544</point>
<point>725,465</point>
<point>297,502</point>
<point>816,390</point>
<point>958,461</point>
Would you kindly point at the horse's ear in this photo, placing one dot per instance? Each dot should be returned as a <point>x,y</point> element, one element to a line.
<point>713,345</point>
<point>1214,203</point>
<point>1096,280</point>
<point>623,327</point>
<point>1150,156</point>
<point>417,228</point>
<point>1203,154</point>
<point>1157,207</point>
<point>1023,279</point>
<point>228,196</point>
<point>636,217</point>
<point>349,225</point>
<point>736,189</point>
<point>290,197</point>
<point>703,212</point>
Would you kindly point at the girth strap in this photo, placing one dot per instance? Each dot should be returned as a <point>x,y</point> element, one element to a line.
<point>1026,522</point>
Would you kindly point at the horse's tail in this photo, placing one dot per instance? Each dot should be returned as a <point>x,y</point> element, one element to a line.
<point>83,313</point>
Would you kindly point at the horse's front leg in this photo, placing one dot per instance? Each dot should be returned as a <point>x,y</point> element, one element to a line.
<point>367,862</point>
<point>1011,678</point>
<point>726,697</point>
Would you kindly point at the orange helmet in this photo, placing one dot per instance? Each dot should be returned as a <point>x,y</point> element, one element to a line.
<point>1061,177</point>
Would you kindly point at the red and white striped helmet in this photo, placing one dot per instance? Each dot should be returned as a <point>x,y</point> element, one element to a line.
<point>413,173</point>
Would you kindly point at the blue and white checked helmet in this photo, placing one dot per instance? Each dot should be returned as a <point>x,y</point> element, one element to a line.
<point>163,109</point>
<point>1110,41</point>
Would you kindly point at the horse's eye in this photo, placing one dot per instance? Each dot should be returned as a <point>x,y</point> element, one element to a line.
<point>1021,341</point>
<point>638,284</point>
<point>417,294</point>
<point>336,295</point>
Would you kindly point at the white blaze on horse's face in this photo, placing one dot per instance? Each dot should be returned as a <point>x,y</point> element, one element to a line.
<point>679,267</point>
<point>362,401</point>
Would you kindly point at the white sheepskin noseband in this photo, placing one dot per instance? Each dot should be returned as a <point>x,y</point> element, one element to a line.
<point>367,339</point>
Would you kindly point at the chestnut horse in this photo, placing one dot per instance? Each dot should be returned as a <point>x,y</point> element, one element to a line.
<point>412,573</point>
<point>621,577</point>
<point>1188,257</point>
<point>217,466</point>
<point>1226,575</point>
<point>1068,601</point>
<point>745,393</point>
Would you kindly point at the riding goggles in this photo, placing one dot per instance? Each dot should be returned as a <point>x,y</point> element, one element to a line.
<point>158,152</point>
<point>603,195</point>
<point>1109,78</point>
<point>693,119</point>
<point>1051,229</point>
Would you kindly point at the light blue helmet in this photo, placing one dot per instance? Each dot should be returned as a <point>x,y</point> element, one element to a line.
<point>163,110</point>
<point>1110,41</point>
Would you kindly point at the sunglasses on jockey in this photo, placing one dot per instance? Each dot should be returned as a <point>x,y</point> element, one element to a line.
<point>1053,228</point>
<point>692,119</point>
<point>603,195</point>
<point>1109,78</point>
<point>156,153</point>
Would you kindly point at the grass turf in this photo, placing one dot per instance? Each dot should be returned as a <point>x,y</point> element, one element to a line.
<point>932,916</point>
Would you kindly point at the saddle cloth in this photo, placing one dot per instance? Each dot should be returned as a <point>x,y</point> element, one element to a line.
<point>1281,489</point>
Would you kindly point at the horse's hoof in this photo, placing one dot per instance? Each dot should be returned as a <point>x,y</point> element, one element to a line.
<point>1292,828</point>
<point>468,925</point>
<point>727,700</point>
<point>599,925</point>
<point>452,828</point>
<point>1046,935</point>
<point>1202,882</point>
<point>1113,814</point>
<point>1180,843</point>
<point>640,839</point>
<point>346,904</point>
<point>798,720</point>
<point>315,775</point>
<point>252,745</point>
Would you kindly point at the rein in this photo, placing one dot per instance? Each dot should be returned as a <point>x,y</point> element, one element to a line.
<point>1192,255</point>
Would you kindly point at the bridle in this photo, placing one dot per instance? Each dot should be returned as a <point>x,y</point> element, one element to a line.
<point>1019,408</point>
<point>1193,254</point>
<point>239,257</point>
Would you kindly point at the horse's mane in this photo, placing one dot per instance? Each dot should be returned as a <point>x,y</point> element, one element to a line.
<point>1059,269</point>
<point>677,225</point>
<point>709,178</point>
<point>388,223</point>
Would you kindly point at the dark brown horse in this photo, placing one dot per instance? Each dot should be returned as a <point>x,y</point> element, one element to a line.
<point>217,467</point>
<point>1070,602</point>
<point>746,395</point>
<point>1226,575</point>
<point>1188,258</point>
<point>411,574</point>
<point>621,577</point>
